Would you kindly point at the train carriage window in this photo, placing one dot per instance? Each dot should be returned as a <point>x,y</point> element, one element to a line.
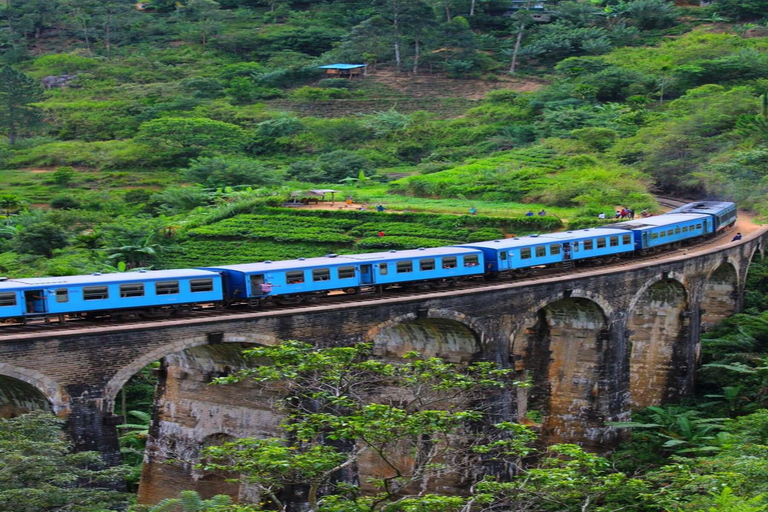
<point>449,262</point>
<point>588,245</point>
<point>294,277</point>
<point>525,254</point>
<point>404,267</point>
<point>554,249</point>
<point>321,274</point>
<point>614,240</point>
<point>662,234</point>
<point>426,265</point>
<point>503,255</point>
<point>670,232</point>
<point>131,290</point>
<point>541,251</point>
<point>677,230</point>
<point>166,288</point>
<point>95,293</point>
<point>698,226</point>
<point>346,272</point>
<point>383,269</point>
<point>601,243</point>
<point>7,299</point>
<point>472,260</point>
<point>654,236</point>
<point>62,295</point>
<point>201,285</point>
<point>626,239</point>
<point>685,229</point>
<point>575,246</point>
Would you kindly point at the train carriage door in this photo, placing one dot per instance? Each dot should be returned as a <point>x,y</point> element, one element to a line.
<point>645,239</point>
<point>258,286</point>
<point>503,260</point>
<point>366,274</point>
<point>567,251</point>
<point>35,301</point>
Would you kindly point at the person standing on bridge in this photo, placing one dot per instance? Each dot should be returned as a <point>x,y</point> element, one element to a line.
<point>736,238</point>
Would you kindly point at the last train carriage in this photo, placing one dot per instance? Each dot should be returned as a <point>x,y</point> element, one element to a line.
<point>168,291</point>
<point>92,295</point>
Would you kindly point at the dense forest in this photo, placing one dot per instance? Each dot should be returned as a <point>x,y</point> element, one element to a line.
<point>170,133</point>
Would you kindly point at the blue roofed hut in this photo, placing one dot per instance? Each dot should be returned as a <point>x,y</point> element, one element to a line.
<point>345,70</point>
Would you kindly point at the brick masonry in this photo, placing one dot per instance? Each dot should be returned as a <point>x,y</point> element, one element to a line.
<point>594,344</point>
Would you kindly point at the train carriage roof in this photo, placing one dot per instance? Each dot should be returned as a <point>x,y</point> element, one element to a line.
<point>533,240</point>
<point>413,253</point>
<point>711,207</point>
<point>658,221</point>
<point>97,279</point>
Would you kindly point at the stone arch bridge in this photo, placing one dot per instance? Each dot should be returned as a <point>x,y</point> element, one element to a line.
<point>595,344</point>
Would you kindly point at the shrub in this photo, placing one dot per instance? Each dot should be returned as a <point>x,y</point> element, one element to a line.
<point>230,171</point>
<point>308,93</point>
<point>652,14</point>
<point>192,134</point>
<point>334,83</point>
<point>41,239</point>
<point>204,87</point>
<point>61,63</point>
<point>598,139</point>
<point>64,203</point>
<point>63,175</point>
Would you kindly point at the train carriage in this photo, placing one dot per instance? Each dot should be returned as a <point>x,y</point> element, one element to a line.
<point>653,232</point>
<point>395,267</point>
<point>349,272</point>
<point>723,212</point>
<point>144,290</point>
<point>536,250</point>
<point>253,281</point>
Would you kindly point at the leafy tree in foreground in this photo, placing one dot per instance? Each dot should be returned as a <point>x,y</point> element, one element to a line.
<point>38,472</point>
<point>17,92</point>
<point>415,416</point>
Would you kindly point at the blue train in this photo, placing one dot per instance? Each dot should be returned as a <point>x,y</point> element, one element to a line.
<point>161,292</point>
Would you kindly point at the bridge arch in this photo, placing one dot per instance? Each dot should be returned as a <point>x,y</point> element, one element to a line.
<point>658,331</point>
<point>50,389</point>
<point>563,349</point>
<point>122,376</point>
<point>720,294</point>
<point>439,332</point>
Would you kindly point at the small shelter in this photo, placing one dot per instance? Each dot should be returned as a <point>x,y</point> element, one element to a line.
<point>304,197</point>
<point>345,70</point>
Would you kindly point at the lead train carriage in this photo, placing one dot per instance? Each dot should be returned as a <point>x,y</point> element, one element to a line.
<point>151,292</point>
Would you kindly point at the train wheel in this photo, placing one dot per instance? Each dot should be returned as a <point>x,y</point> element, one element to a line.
<point>351,291</point>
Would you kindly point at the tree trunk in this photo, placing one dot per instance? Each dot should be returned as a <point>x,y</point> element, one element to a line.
<point>416,53</point>
<point>447,11</point>
<point>472,8</point>
<point>108,34</point>
<point>518,41</point>
<point>11,125</point>
<point>9,8</point>
<point>396,26</point>
<point>513,66</point>
<point>87,39</point>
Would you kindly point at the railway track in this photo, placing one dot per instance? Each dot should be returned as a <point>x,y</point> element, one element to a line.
<point>13,331</point>
<point>671,202</point>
